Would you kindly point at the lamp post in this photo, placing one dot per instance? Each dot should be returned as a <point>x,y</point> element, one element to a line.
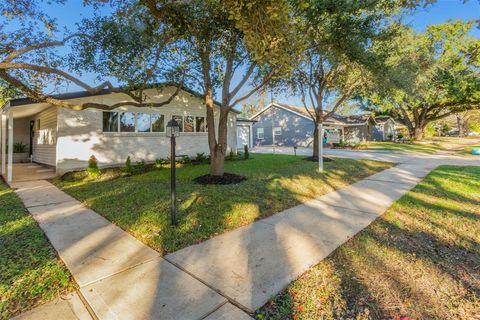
<point>173,131</point>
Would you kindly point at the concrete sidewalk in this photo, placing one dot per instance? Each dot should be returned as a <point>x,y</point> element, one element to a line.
<point>121,278</point>
<point>251,264</point>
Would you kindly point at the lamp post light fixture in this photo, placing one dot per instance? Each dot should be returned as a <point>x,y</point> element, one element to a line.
<point>173,131</point>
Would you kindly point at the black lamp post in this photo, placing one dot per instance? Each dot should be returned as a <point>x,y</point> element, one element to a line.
<point>173,131</point>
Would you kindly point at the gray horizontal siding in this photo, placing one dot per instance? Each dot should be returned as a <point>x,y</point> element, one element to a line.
<point>296,130</point>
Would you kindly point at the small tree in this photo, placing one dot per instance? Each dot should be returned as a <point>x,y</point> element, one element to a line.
<point>246,153</point>
<point>92,168</point>
<point>128,165</point>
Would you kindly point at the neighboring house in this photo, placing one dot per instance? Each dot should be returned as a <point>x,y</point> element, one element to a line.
<point>244,133</point>
<point>286,125</point>
<point>386,129</point>
<point>65,139</point>
<point>358,128</point>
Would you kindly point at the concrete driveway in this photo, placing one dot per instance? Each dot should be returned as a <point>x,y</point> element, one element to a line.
<point>442,157</point>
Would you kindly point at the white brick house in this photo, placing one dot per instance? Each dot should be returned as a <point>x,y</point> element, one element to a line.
<point>65,139</point>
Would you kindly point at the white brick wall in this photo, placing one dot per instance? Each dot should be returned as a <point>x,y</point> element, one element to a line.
<point>80,133</point>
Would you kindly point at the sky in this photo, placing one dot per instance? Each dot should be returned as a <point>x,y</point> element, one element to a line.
<point>74,11</point>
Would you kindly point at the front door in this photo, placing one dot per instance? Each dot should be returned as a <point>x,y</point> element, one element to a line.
<point>32,134</point>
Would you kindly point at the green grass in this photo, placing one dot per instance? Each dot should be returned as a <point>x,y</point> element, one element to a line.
<point>415,147</point>
<point>140,204</point>
<point>420,260</point>
<point>30,271</point>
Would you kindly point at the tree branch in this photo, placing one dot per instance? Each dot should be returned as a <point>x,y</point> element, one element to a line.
<point>42,45</point>
<point>255,89</point>
<point>245,78</point>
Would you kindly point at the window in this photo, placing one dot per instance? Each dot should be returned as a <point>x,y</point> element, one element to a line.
<point>277,131</point>
<point>189,124</point>
<point>179,120</point>
<point>200,124</point>
<point>260,135</point>
<point>38,124</point>
<point>158,123</point>
<point>127,122</point>
<point>143,122</point>
<point>110,121</point>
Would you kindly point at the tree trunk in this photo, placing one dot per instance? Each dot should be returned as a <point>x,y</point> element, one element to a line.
<point>316,137</point>
<point>462,124</point>
<point>417,133</point>
<point>217,157</point>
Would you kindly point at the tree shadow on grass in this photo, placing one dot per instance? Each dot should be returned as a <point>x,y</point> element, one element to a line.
<point>405,264</point>
<point>140,204</point>
<point>30,271</point>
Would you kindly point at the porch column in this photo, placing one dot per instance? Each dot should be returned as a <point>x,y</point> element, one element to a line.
<point>343,133</point>
<point>3,124</point>
<point>10,147</point>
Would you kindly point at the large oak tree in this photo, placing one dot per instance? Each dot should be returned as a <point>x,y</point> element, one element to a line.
<point>124,47</point>
<point>428,76</point>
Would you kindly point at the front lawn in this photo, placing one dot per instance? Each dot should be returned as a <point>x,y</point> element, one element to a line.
<point>409,147</point>
<point>420,260</point>
<point>30,271</point>
<point>140,204</point>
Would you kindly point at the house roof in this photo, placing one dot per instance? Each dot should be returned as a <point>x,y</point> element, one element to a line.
<point>383,119</point>
<point>84,93</point>
<point>333,119</point>
<point>241,119</point>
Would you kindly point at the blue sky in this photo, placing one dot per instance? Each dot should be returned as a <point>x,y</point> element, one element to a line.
<point>73,11</point>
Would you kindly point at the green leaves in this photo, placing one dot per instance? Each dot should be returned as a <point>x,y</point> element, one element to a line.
<point>428,76</point>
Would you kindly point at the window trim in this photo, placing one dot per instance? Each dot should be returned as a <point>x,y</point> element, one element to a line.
<point>151,122</point>
<point>136,122</point>
<point>262,132</point>
<point>193,124</point>
<point>204,124</point>
<point>152,115</point>
<point>275,130</point>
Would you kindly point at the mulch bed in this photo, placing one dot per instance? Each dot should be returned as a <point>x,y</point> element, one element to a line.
<point>314,159</point>
<point>227,178</point>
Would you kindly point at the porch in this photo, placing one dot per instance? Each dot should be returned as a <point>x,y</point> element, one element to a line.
<point>31,171</point>
<point>27,133</point>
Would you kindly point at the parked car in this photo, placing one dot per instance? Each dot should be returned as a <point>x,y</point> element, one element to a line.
<point>453,133</point>
<point>473,133</point>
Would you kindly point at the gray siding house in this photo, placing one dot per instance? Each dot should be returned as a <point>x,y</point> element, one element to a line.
<point>386,129</point>
<point>285,125</point>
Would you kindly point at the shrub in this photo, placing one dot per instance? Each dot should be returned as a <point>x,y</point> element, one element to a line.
<point>201,157</point>
<point>246,155</point>
<point>128,165</point>
<point>231,156</point>
<point>339,145</point>
<point>158,163</point>
<point>185,160</point>
<point>19,147</point>
<point>400,136</point>
<point>140,166</point>
<point>93,166</point>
